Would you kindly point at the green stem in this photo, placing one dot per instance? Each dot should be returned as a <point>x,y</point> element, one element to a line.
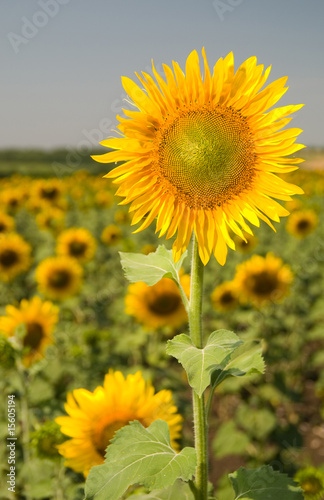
<point>24,416</point>
<point>195,327</point>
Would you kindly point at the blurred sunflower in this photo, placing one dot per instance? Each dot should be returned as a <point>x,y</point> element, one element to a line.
<point>96,416</point>
<point>59,277</point>
<point>39,319</point>
<point>263,279</point>
<point>77,243</point>
<point>14,256</point>
<point>201,155</point>
<point>111,235</point>
<point>12,198</point>
<point>104,199</point>
<point>158,305</point>
<point>7,223</point>
<point>311,481</point>
<point>225,296</point>
<point>49,190</point>
<point>52,218</point>
<point>302,223</point>
<point>245,246</point>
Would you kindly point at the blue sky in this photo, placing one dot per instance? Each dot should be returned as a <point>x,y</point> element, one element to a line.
<point>62,60</point>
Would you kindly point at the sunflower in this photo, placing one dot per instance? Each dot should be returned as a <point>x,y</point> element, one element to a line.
<point>7,223</point>
<point>52,218</point>
<point>263,279</point>
<point>59,277</point>
<point>148,248</point>
<point>39,319</point>
<point>14,256</point>
<point>111,235</point>
<point>96,416</point>
<point>201,154</point>
<point>13,198</point>
<point>77,243</point>
<point>49,190</point>
<point>158,305</point>
<point>104,199</point>
<point>246,245</point>
<point>301,223</point>
<point>225,296</point>
<point>122,217</point>
<point>311,481</point>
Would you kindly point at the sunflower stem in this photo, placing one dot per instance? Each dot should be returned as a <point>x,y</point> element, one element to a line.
<point>24,416</point>
<point>199,412</point>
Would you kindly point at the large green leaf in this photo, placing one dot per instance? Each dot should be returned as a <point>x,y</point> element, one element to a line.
<point>152,267</point>
<point>139,456</point>
<point>264,484</point>
<point>224,355</point>
<point>179,490</point>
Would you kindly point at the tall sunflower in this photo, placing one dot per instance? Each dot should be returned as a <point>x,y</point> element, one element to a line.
<point>77,243</point>
<point>158,305</point>
<point>201,154</point>
<point>96,416</point>
<point>39,319</point>
<point>59,277</point>
<point>14,256</point>
<point>263,279</point>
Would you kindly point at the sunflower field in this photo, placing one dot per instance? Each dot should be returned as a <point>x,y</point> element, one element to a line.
<point>82,351</point>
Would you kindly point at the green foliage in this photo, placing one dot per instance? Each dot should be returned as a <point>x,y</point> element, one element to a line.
<point>264,484</point>
<point>230,440</point>
<point>225,355</point>
<point>179,490</point>
<point>139,456</point>
<point>151,268</point>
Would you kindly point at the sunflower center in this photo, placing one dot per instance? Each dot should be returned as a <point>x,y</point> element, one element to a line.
<point>77,248</point>
<point>263,283</point>
<point>34,335</point>
<point>49,193</point>
<point>59,279</point>
<point>8,258</point>
<point>164,304</point>
<point>207,155</point>
<point>312,486</point>
<point>227,298</point>
<point>3,227</point>
<point>303,225</point>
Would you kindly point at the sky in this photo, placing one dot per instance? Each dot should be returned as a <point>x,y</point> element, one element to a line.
<point>62,60</point>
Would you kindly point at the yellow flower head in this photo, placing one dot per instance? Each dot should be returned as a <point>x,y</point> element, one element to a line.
<point>94,417</point>
<point>59,277</point>
<point>201,154</point>
<point>263,279</point>
<point>225,296</point>
<point>14,256</point>
<point>7,223</point>
<point>301,223</point>
<point>77,243</point>
<point>158,305</point>
<point>246,245</point>
<point>49,191</point>
<point>51,218</point>
<point>111,235</point>
<point>39,319</point>
<point>311,481</point>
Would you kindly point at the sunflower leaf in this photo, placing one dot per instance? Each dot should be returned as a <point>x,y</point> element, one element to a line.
<point>139,455</point>
<point>178,490</point>
<point>224,355</point>
<point>151,268</point>
<point>264,483</point>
